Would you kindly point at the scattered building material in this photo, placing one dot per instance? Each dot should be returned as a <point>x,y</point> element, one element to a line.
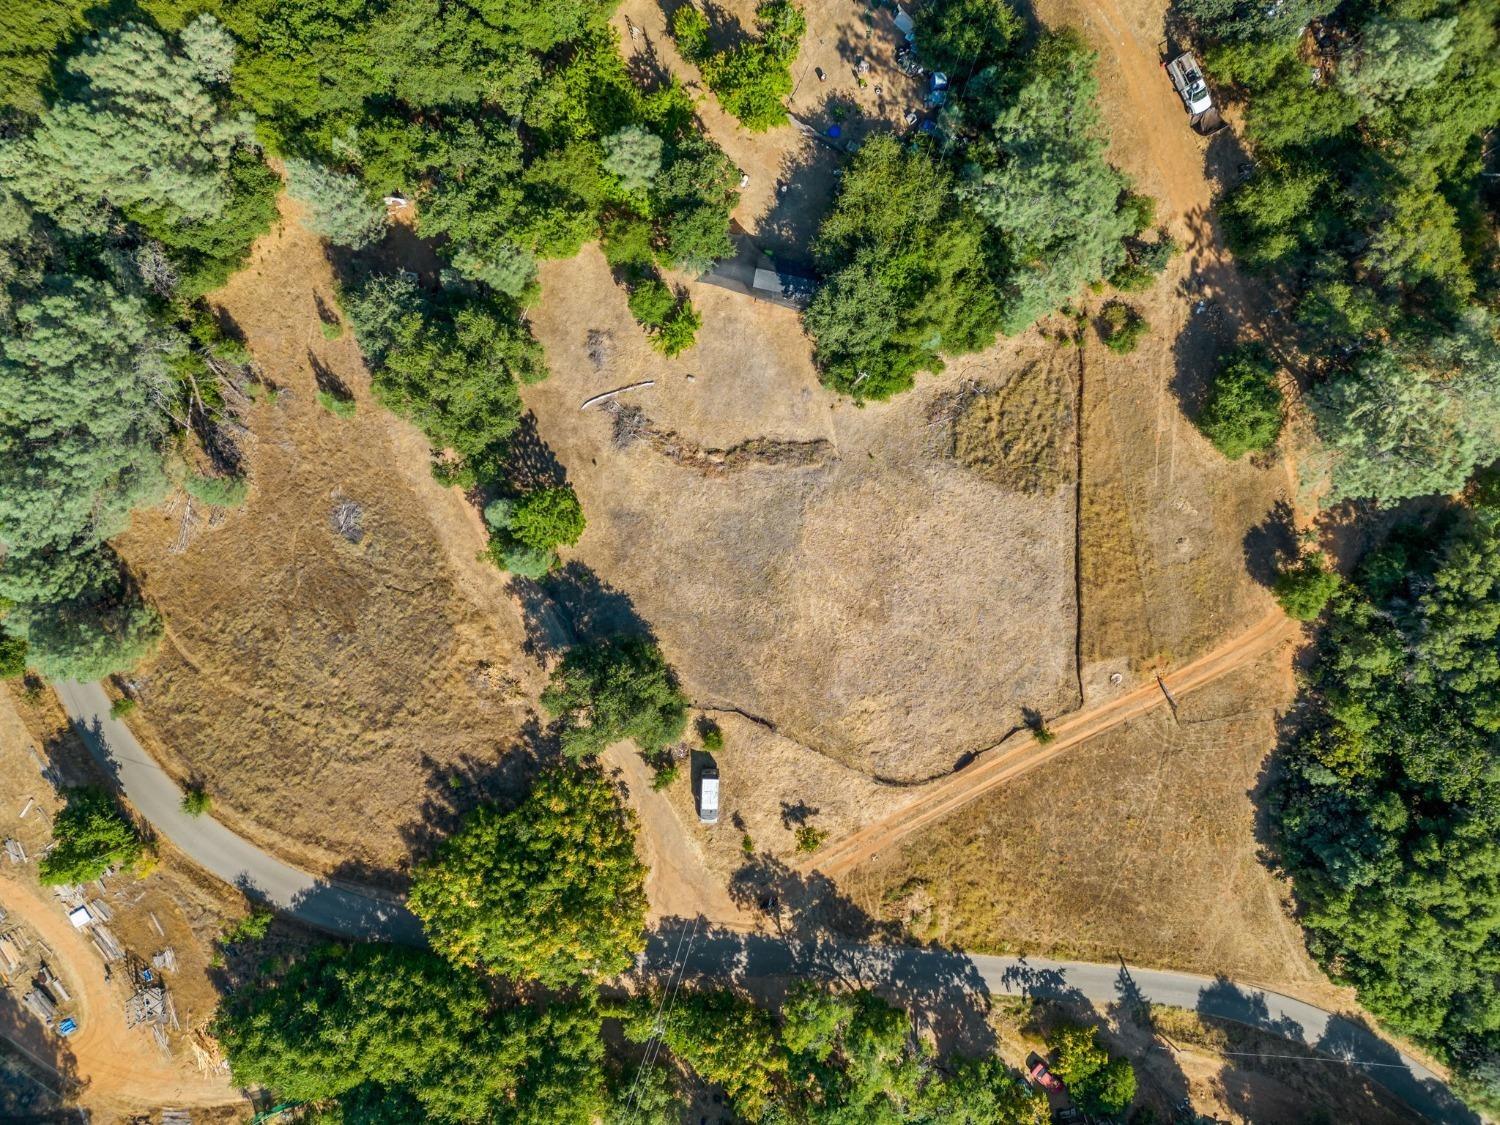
<point>80,917</point>
<point>40,1004</point>
<point>111,949</point>
<point>30,801</point>
<point>53,984</point>
<point>99,909</point>
<point>15,852</point>
<point>166,960</point>
<point>147,1005</point>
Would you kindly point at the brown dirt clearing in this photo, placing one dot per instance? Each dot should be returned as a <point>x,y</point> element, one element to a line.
<point>121,1072</point>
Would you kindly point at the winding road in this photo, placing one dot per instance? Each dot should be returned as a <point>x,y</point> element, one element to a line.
<point>942,983</point>
<point>337,908</point>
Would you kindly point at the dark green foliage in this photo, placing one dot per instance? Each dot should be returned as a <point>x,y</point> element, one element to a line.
<point>525,532</point>
<point>30,35</point>
<point>669,317</point>
<point>105,629</point>
<point>832,1058</point>
<point>208,252</point>
<point>1236,20</point>
<point>752,77</point>
<point>1040,181</point>
<point>1121,327</point>
<point>399,1035</point>
<point>1146,261</point>
<point>711,734</point>
<point>1366,201</point>
<point>196,801</point>
<point>1243,411</point>
<point>1096,1082</point>
<point>550,891</point>
<point>930,250</point>
<point>548,518</point>
<point>1386,809</point>
<point>652,302</point>
<point>1305,587</point>
<point>963,37</point>
<point>612,690</point>
<point>449,362</point>
<point>90,835</point>
<point>906,270</point>
<point>627,243</point>
<point>12,656</point>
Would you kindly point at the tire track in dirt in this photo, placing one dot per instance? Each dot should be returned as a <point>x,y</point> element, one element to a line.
<point>1000,764</point>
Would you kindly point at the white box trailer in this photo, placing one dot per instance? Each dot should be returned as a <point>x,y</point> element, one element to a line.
<point>708,796</point>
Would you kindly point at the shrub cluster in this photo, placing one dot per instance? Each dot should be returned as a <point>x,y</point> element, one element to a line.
<point>751,78</point>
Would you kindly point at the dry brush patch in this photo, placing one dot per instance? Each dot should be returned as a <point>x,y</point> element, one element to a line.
<point>1140,844</point>
<point>863,602</point>
<point>335,654</point>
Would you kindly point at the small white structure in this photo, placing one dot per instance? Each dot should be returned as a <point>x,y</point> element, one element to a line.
<point>708,796</point>
<point>905,24</point>
<point>80,917</point>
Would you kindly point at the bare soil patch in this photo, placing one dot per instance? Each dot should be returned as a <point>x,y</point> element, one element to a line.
<point>113,1071</point>
<point>336,654</point>
<point>883,605</point>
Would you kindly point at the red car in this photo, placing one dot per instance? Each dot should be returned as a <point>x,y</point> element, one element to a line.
<point>1045,1078</point>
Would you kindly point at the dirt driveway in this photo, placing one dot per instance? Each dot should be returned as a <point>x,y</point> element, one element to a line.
<point>121,1070</point>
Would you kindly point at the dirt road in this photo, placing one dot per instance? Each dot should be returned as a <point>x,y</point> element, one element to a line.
<point>106,1056</point>
<point>1021,753</point>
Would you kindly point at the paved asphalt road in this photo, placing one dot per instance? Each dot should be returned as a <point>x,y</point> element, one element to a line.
<point>942,983</point>
<point>339,909</point>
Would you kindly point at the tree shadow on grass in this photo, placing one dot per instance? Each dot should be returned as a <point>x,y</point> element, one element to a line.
<point>1271,544</point>
<point>573,605</point>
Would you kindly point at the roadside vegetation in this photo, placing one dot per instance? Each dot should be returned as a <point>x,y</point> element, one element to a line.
<point>932,249</point>
<point>374,1032</point>
<point>90,835</point>
<point>1366,200</point>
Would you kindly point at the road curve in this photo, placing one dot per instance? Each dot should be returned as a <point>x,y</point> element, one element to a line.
<point>940,982</point>
<point>336,908</point>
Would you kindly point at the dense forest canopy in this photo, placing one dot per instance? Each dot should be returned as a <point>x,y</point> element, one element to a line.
<point>935,245</point>
<point>1368,131</point>
<point>1388,812</point>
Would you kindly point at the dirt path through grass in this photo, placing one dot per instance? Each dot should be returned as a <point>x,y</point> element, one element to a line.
<point>1022,752</point>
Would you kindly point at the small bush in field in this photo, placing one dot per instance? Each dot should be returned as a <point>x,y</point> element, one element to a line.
<point>342,406</point>
<point>196,801</point>
<point>810,839</point>
<point>1121,327</point>
<point>121,707</point>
